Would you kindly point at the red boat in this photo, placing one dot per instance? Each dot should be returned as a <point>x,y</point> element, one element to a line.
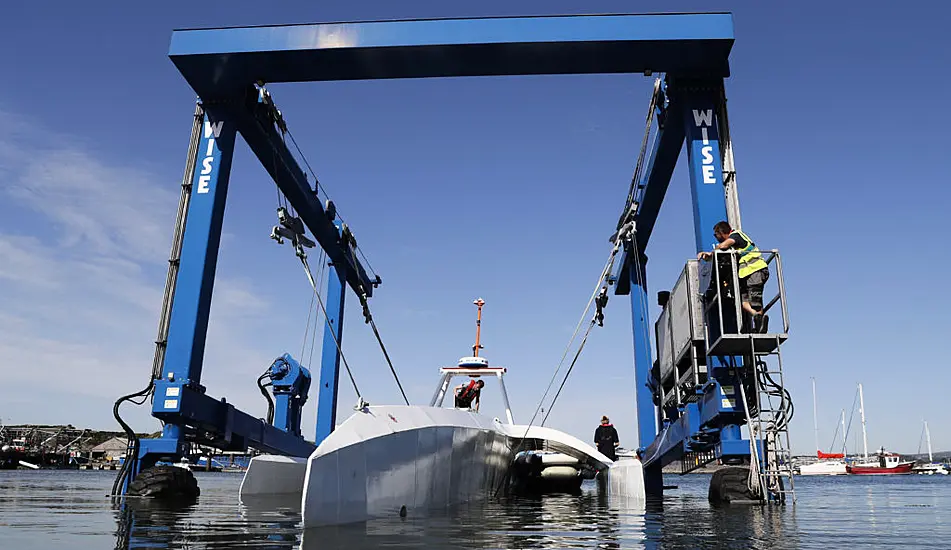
<point>887,463</point>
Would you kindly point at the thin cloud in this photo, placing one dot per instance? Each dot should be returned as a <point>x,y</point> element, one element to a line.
<point>82,284</point>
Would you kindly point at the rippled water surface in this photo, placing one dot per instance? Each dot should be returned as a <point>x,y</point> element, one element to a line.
<point>69,509</point>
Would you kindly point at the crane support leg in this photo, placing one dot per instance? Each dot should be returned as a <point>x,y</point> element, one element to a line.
<point>646,414</point>
<point>703,160</point>
<point>188,325</point>
<point>330,355</point>
<point>189,414</point>
<point>701,127</point>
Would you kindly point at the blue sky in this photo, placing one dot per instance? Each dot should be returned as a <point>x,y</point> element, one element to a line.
<point>504,188</point>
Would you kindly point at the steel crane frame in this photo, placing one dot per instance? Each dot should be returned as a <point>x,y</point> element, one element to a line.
<point>225,66</point>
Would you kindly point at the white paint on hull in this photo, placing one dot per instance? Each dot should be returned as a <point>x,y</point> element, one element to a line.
<point>385,458</point>
<point>823,468</point>
<point>625,480</point>
<point>273,475</point>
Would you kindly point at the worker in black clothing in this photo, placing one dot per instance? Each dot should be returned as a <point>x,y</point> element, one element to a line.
<point>468,394</point>
<point>605,437</point>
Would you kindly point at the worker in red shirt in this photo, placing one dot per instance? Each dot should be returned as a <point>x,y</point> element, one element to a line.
<point>467,394</point>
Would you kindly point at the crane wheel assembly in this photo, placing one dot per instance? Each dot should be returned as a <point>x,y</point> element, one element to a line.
<point>731,485</point>
<point>165,482</point>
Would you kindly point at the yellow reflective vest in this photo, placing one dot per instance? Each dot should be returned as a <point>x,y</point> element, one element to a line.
<point>750,260</point>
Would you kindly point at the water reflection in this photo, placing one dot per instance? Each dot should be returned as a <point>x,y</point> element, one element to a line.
<point>267,524</point>
<point>591,520</point>
<point>57,509</point>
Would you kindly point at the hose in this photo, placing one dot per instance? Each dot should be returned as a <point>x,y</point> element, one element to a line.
<point>270,402</point>
<point>133,439</point>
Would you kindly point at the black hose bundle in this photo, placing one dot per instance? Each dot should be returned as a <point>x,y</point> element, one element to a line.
<point>270,402</point>
<point>133,440</point>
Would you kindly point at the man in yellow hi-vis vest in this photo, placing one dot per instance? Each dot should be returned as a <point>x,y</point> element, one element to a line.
<point>751,270</point>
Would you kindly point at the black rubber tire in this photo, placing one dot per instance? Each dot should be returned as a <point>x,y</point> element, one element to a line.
<point>730,485</point>
<point>165,482</point>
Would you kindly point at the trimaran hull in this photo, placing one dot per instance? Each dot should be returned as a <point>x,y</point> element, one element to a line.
<point>403,460</point>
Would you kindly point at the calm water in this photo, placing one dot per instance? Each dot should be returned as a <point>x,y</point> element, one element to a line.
<point>69,509</point>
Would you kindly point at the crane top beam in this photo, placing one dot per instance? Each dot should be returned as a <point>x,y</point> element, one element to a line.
<point>219,62</point>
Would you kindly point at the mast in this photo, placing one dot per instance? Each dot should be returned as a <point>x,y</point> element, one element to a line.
<point>815,415</point>
<point>475,349</point>
<point>862,411</point>
<point>928,439</point>
<point>844,452</point>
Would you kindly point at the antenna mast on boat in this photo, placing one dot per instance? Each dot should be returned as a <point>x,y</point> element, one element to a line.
<point>475,349</point>
<point>815,415</point>
<point>862,412</point>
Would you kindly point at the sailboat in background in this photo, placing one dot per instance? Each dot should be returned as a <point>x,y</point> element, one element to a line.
<point>931,467</point>
<point>884,463</point>
<point>829,464</point>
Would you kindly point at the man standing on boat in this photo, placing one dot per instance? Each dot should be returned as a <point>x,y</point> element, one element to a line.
<point>467,394</point>
<point>605,437</point>
<point>751,270</point>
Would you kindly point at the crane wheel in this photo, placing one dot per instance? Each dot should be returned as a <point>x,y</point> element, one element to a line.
<point>731,484</point>
<point>165,482</point>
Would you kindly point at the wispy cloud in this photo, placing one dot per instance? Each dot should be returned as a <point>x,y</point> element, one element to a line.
<point>81,282</point>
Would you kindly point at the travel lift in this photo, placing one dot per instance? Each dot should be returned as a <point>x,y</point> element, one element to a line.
<point>712,374</point>
<point>698,393</point>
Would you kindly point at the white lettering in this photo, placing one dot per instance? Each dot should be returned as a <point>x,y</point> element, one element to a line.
<point>216,128</point>
<point>704,118</point>
<point>212,131</point>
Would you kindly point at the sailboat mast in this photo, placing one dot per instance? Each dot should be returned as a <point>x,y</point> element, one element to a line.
<point>815,415</point>
<point>844,453</point>
<point>862,411</point>
<point>928,439</point>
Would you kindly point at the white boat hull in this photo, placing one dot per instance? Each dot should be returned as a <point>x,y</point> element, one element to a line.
<point>930,469</point>
<point>823,468</point>
<point>390,461</point>
<point>273,475</point>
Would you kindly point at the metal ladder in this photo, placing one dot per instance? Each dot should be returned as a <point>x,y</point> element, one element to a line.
<point>769,427</point>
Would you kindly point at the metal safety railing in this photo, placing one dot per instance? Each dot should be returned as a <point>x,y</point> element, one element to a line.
<point>724,294</point>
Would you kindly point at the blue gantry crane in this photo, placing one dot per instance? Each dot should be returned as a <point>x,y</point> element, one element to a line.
<point>713,373</point>
<point>691,402</point>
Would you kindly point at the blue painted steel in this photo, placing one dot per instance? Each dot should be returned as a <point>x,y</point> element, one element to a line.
<point>655,179</point>
<point>709,206</point>
<point>268,145</point>
<point>290,383</point>
<point>646,419</point>
<point>706,172</point>
<point>222,64</point>
<point>188,323</point>
<point>718,408</point>
<point>216,423</point>
<point>712,422</point>
<point>330,356</point>
<point>731,444</point>
<point>218,62</point>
